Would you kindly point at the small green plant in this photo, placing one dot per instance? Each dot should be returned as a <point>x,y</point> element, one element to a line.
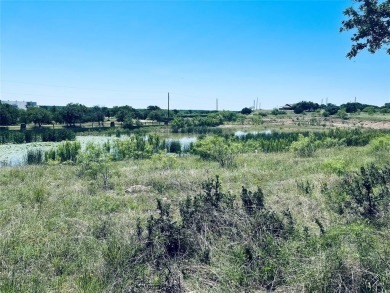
<point>252,201</point>
<point>305,186</point>
<point>39,195</point>
<point>68,151</point>
<point>35,156</point>
<point>304,146</point>
<point>94,163</point>
<point>336,166</point>
<point>164,161</point>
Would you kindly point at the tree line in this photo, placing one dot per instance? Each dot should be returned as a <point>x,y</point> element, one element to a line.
<point>331,109</point>
<point>75,113</point>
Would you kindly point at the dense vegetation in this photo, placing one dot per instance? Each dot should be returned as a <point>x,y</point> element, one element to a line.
<point>7,136</point>
<point>284,211</point>
<point>73,115</point>
<point>277,210</point>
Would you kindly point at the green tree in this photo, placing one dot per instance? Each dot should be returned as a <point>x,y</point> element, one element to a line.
<point>371,20</point>
<point>155,115</point>
<point>342,114</point>
<point>96,114</point>
<point>128,122</point>
<point>38,116</point>
<point>246,111</point>
<point>370,110</point>
<point>8,114</point>
<point>228,116</point>
<point>305,106</point>
<point>124,111</point>
<point>177,123</point>
<point>331,109</point>
<point>153,108</point>
<point>22,116</point>
<point>73,113</point>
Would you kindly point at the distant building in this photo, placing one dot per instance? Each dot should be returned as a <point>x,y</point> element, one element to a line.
<point>20,104</point>
<point>287,107</point>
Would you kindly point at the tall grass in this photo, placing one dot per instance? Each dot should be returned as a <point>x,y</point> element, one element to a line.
<point>65,152</point>
<point>294,227</point>
<point>35,156</point>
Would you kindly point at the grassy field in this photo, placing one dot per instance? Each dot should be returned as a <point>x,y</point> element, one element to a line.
<point>153,225</point>
<point>64,231</point>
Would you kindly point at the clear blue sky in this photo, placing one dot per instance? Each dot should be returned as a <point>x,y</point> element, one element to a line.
<point>135,52</point>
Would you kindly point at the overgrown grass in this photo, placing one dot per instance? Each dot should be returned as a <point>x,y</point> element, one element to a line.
<point>61,230</point>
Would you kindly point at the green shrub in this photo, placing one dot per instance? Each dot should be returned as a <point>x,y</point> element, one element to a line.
<point>94,162</point>
<point>334,166</point>
<point>163,246</point>
<point>252,201</point>
<point>134,147</point>
<point>35,156</point>
<point>304,146</point>
<point>173,146</point>
<point>68,151</point>
<point>217,149</point>
<point>380,144</point>
<point>364,193</point>
<point>164,161</point>
<point>368,191</point>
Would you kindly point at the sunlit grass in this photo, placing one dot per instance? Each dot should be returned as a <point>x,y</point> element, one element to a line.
<point>55,224</point>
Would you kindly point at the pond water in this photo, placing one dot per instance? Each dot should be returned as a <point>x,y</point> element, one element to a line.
<point>15,154</point>
<point>243,133</point>
<point>185,142</point>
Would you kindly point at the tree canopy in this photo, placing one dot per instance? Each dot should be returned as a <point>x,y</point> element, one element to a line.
<point>246,111</point>
<point>38,116</point>
<point>372,22</point>
<point>73,113</point>
<point>8,114</point>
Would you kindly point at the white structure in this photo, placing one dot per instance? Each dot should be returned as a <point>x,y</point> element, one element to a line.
<point>20,104</point>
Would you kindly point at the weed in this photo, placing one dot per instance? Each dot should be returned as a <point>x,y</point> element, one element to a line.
<point>306,187</point>
<point>35,156</point>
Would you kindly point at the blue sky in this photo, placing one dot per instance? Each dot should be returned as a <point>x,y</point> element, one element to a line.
<point>135,52</point>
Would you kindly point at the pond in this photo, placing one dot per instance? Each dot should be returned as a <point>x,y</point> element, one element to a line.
<point>185,142</point>
<point>243,133</point>
<point>15,154</point>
